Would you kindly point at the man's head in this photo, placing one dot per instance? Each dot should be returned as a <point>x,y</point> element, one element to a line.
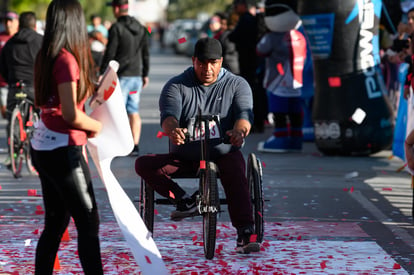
<point>96,20</point>
<point>27,20</point>
<point>243,6</point>
<point>120,7</point>
<point>207,60</point>
<point>11,21</point>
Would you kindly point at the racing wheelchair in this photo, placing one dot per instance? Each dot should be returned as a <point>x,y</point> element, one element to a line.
<point>207,200</point>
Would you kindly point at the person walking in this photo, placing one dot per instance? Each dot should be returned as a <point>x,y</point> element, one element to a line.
<point>17,60</point>
<point>128,44</point>
<point>11,26</point>
<point>63,82</point>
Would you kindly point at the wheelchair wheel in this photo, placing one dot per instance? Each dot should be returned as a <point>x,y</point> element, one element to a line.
<point>17,137</point>
<point>33,118</point>
<point>254,178</point>
<point>209,207</point>
<point>146,205</point>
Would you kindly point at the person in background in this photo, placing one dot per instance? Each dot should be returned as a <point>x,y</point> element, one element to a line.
<point>63,82</point>
<point>211,27</point>
<point>245,36</point>
<point>218,92</point>
<point>11,26</point>
<point>128,44</point>
<point>230,54</point>
<point>17,60</point>
<point>97,26</point>
<point>285,50</point>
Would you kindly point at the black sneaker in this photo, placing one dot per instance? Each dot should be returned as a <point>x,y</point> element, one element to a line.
<point>246,241</point>
<point>185,208</point>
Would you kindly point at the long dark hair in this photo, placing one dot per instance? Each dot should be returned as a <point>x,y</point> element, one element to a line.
<point>65,28</point>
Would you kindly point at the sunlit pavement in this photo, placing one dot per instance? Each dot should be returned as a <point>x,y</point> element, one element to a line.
<point>324,215</point>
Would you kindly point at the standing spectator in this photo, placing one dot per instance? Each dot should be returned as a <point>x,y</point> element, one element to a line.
<point>244,35</point>
<point>11,26</point>
<point>128,44</point>
<point>211,27</point>
<point>17,60</point>
<point>63,82</point>
<point>285,51</point>
<point>97,26</point>
<point>230,54</point>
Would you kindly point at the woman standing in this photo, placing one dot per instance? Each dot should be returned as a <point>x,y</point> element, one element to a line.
<point>63,82</point>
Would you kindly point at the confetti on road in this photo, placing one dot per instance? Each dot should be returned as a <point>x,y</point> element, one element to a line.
<point>288,248</point>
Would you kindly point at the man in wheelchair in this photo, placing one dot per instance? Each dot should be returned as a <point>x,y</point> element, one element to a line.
<point>216,91</point>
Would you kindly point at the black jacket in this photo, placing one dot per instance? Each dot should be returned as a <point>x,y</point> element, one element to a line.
<point>127,44</point>
<point>18,56</point>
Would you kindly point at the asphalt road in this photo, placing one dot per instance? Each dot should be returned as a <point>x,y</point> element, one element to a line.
<point>329,200</point>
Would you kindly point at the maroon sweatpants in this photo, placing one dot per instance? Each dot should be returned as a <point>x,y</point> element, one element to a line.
<point>156,170</point>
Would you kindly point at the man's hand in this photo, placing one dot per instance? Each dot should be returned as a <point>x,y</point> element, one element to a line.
<point>177,136</point>
<point>145,82</point>
<point>236,137</point>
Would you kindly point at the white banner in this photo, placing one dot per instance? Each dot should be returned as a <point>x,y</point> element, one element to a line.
<point>116,140</point>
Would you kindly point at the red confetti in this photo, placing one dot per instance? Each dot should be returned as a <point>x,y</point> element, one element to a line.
<point>156,212</point>
<point>253,238</point>
<point>194,238</point>
<point>263,164</point>
<point>387,189</point>
<point>149,29</point>
<point>172,195</point>
<point>396,266</point>
<point>161,134</point>
<point>279,68</point>
<point>334,81</point>
<point>345,189</point>
<point>124,256</point>
<point>323,265</point>
<point>299,238</point>
<point>182,40</point>
<point>148,259</point>
<point>31,192</point>
<point>133,92</point>
<point>352,189</point>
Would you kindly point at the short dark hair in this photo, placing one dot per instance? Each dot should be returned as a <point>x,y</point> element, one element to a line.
<point>27,19</point>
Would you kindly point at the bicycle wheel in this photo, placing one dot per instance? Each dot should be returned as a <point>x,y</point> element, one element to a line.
<point>33,119</point>
<point>17,135</point>
<point>146,205</point>
<point>254,178</point>
<point>209,208</point>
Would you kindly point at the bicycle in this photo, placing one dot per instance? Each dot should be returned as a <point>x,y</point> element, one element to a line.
<point>208,201</point>
<point>22,122</point>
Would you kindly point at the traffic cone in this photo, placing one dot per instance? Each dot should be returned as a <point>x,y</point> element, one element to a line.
<point>56,266</point>
<point>65,236</point>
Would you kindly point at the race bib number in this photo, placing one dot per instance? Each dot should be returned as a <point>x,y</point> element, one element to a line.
<point>196,133</point>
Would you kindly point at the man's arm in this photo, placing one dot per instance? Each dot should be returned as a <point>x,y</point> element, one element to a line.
<point>171,129</point>
<point>145,60</point>
<point>110,50</point>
